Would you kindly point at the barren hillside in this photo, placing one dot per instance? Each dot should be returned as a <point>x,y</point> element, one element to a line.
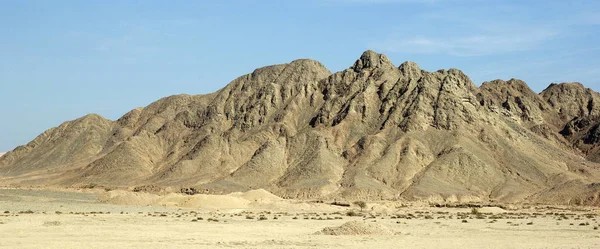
<point>373,131</point>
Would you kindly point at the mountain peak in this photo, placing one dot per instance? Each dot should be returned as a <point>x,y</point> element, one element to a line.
<point>374,131</point>
<point>564,86</point>
<point>511,87</point>
<point>409,68</point>
<point>370,60</point>
<point>572,100</point>
<point>303,66</point>
<point>92,116</point>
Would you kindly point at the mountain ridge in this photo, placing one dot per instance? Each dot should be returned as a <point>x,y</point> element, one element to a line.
<point>373,131</point>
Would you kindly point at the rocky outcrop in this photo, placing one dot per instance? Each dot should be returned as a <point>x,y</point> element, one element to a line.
<point>380,95</point>
<point>572,100</point>
<point>579,109</point>
<point>372,131</point>
<point>71,145</point>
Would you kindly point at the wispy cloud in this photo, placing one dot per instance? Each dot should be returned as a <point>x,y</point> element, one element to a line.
<point>589,18</point>
<point>385,1</point>
<point>423,2</point>
<point>133,39</point>
<point>469,45</point>
<point>129,41</point>
<point>489,28</point>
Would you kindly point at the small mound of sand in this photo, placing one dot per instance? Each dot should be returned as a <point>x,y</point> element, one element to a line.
<point>234,200</point>
<point>206,201</point>
<point>121,197</point>
<point>491,210</point>
<point>257,195</point>
<point>356,228</point>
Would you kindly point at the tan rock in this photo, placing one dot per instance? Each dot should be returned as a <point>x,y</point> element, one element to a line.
<point>373,131</point>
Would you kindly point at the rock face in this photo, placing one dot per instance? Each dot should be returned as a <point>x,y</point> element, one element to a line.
<point>372,131</point>
<point>579,107</point>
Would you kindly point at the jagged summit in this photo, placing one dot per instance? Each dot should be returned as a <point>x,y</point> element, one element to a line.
<point>373,131</point>
<point>515,84</point>
<point>565,85</point>
<point>410,68</point>
<point>572,100</point>
<point>371,60</point>
<point>309,63</point>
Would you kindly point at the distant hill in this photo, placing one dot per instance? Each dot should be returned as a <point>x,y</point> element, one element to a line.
<point>372,131</point>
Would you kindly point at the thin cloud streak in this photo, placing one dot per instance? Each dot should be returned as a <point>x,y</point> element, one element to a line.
<point>472,45</point>
<point>386,1</point>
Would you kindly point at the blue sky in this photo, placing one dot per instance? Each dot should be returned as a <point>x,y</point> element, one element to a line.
<point>63,59</point>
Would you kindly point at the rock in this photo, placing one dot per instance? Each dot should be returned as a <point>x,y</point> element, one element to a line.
<point>370,60</point>
<point>373,131</point>
<point>572,100</point>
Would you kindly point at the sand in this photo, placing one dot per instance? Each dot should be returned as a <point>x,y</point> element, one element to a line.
<point>82,221</point>
<point>255,199</point>
<point>356,228</point>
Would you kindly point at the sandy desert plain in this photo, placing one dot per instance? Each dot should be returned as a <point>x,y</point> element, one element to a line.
<point>94,218</point>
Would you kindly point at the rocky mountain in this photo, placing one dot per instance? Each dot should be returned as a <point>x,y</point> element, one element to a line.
<point>372,131</point>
